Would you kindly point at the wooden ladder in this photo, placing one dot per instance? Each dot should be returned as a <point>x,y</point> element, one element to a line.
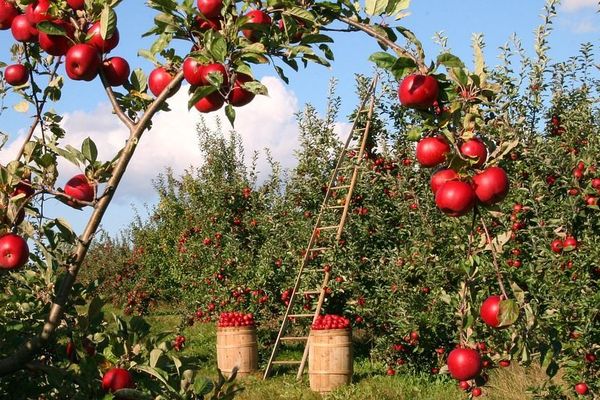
<point>349,159</point>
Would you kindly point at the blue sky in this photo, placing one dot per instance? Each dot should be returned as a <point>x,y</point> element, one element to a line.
<point>87,112</point>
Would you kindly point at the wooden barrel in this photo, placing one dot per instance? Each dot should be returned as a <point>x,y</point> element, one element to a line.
<point>330,359</point>
<point>237,347</point>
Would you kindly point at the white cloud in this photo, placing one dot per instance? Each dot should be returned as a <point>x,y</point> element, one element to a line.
<point>172,141</point>
<point>576,5</point>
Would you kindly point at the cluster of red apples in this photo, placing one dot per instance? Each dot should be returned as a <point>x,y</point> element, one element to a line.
<point>456,192</point>
<point>235,319</point>
<point>330,321</point>
<point>116,379</point>
<point>82,45</point>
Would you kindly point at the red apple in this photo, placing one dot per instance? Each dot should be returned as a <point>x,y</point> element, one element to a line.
<point>57,45</point>
<point>464,364</point>
<point>158,80</point>
<point>212,102</point>
<point>239,96</point>
<point>14,251</point>
<point>116,379</point>
<point>475,150</point>
<point>442,176</point>
<point>491,186</point>
<point>556,245</point>
<point>476,392</point>
<point>504,363</point>
<point>582,388</point>
<point>432,151</point>
<point>418,91</point>
<point>490,311</point>
<point>214,68</point>
<point>455,198</point>
<point>570,243</point>
<point>103,45</point>
<point>24,187</point>
<point>258,17</point>
<point>82,62</point>
<point>208,23</point>
<point>76,4</point>
<point>464,385</point>
<point>37,12</point>
<point>22,30</point>
<point>8,12</point>
<point>210,8</point>
<point>116,71</point>
<point>192,71</point>
<point>80,189</point>
<point>596,183</point>
<point>16,75</point>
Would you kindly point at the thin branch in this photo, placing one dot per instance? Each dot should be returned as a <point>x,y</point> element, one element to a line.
<point>386,41</point>
<point>115,105</point>
<point>495,258</point>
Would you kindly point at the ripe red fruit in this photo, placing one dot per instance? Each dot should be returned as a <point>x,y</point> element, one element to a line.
<point>116,71</point>
<point>258,17</point>
<point>440,177</point>
<point>556,245</point>
<point>22,30</point>
<point>570,243</point>
<point>204,25</point>
<point>504,363</point>
<point>80,189</point>
<point>82,62</point>
<point>390,372</point>
<point>464,385</point>
<point>8,12</point>
<point>464,364</point>
<point>491,186</point>
<point>455,198</point>
<point>581,388</point>
<point>590,358</point>
<point>210,103</point>
<point>57,45</point>
<point>596,183</point>
<point>238,96</point>
<point>14,251</point>
<point>16,74</point>
<point>192,71</point>
<point>490,310</point>
<point>23,187</point>
<point>214,68</point>
<point>76,4</point>
<point>103,45</point>
<point>158,80</point>
<point>475,150</point>
<point>37,12</point>
<point>116,379</point>
<point>432,151</point>
<point>210,8</point>
<point>476,392</point>
<point>418,91</point>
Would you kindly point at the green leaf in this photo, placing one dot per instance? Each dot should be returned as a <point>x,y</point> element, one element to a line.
<point>300,13</point>
<point>396,9</point>
<point>155,355</point>
<point>449,61</point>
<point>108,22</point>
<point>66,231</point>
<point>51,29</point>
<point>383,60</point>
<point>89,150</point>
<point>376,7</point>
<point>200,93</point>
<point>316,38</point>
<point>230,113</point>
<point>202,386</point>
<point>509,312</point>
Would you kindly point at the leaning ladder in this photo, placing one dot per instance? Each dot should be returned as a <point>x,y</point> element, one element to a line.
<point>349,159</point>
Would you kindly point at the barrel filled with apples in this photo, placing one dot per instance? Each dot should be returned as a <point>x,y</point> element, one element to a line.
<point>330,362</point>
<point>236,344</point>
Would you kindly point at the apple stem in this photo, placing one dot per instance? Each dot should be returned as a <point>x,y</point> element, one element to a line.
<point>494,257</point>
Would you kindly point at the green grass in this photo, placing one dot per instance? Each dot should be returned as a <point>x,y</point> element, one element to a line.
<point>369,380</point>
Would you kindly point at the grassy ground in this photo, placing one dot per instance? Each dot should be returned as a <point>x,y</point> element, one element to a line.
<point>369,381</point>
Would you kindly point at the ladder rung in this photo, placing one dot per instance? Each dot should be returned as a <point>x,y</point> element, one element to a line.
<point>329,227</point>
<point>286,362</point>
<point>312,292</point>
<point>340,187</point>
<point>319,248</point>
<point>300,315</point>
<point>338,207</point>
<point>293,338</point>
<point>313,270</point>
